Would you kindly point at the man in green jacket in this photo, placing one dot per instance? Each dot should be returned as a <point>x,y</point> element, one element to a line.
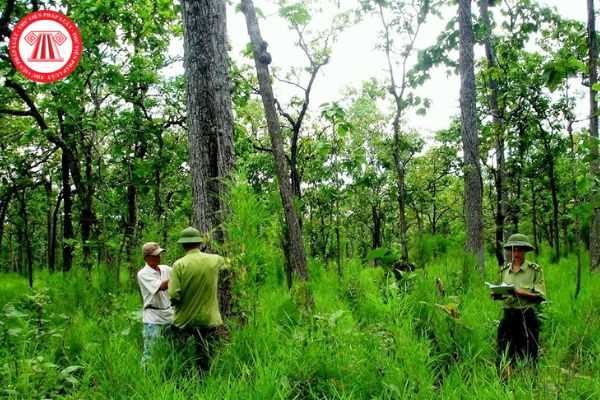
<point>193,290</point>
<point>519,329</point>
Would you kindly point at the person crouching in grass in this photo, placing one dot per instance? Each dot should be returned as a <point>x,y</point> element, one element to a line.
<point>157,312</point>
<point>519,330</point>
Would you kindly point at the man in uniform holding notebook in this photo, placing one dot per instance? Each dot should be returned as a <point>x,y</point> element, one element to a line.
<point>519,329</point>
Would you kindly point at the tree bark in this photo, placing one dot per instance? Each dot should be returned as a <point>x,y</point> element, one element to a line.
<point>19,249</point>
<point>577,223</point>
<point>49,198</point>
<point>165,222</point>
<point>66,160</point>
<point>554,194</point>
<point>26,237</point>
<point>295,175</point>
<point>209,115</point>
<point>472,171</point>
<point>376,238</point>
<point>534,218</point>
<point>296,243</point>
<point>85,191</point>
<point>131,224</point>
<point>595,163</point>
<point>553,184</point>
<point>82,176</point>
<point>401,184</point>
<point>209,120</point>
<point>11,252</point>
<point>52,241</point>
<point>158,207</point>
<point>497,118</point>
<point>3,211</point>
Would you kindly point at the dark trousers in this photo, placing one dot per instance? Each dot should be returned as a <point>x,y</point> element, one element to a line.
<point>518,335</point>
<point>205,340</point>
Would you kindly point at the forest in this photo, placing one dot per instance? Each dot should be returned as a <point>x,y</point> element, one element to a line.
<point>361,214</point>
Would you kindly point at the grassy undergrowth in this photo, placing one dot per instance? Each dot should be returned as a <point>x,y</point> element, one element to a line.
<point>76,336</point>
<point>369,337</point>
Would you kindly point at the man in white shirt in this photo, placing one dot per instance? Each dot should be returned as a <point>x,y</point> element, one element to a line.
<point>153,279</point>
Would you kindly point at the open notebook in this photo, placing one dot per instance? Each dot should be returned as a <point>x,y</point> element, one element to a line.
<point>503,288</point>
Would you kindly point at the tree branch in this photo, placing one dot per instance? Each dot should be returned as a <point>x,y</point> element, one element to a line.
<point>25,97</point>
<point>5,19</point>
<point>34,112</point>
<point>20,113</point>
<point>287,116</point>
<point>290,83</point>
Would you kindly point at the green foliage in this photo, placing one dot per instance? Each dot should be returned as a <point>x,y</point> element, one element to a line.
<point>556,71</point>
<point>385,255</point>
<point>297,13</point>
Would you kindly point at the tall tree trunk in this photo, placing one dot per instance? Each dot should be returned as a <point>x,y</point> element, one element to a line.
<point>376,239</point>
<point>473,192</point>
<point>434,212</point>
<point>555,228</point>
<point>595,164</point>
<point>49,198</point>
<point>549,232</point>
<point>86,194</point>
<point>497,118</point>
<point>52,242</point>
<point>324,235</point>
<point>338,251</point>
<point>312,235</point>
<point>11,251</point>
<point>131,224</point>
<point>158,207</point>
<point>401,184</point>
<point>83,183</point>
<point>26,237</point>
<point>513,210</point>
<point>296,242</point>
<point>577,224</point>
<point>165,221</point>
<point>209,120</point>
<point>19,258</point>
<point>338,189</point>
<point>67,246</point>
<point>3,211</point>
<point>534,218</point>
<point>209,115</point>
<point>399,164</point>
<point>517,214</point>
<point>295,177</point>
<point>552,180</point>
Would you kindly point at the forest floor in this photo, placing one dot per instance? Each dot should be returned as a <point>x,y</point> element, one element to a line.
<point>369,337</point>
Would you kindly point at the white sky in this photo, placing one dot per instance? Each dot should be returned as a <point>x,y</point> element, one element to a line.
<point>355,59</point>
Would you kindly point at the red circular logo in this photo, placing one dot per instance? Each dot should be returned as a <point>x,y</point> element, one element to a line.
<point>45,46</point>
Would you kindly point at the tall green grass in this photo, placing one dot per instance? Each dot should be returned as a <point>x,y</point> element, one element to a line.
<point>79,337</point>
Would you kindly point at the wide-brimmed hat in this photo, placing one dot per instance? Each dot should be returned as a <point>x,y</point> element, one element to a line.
<point>152,249</point>
<point>191,235</point>
<point>518,240</point>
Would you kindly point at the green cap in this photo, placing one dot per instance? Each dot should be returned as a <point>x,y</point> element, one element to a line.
<point>518,240</point>
<point>190,235</point>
